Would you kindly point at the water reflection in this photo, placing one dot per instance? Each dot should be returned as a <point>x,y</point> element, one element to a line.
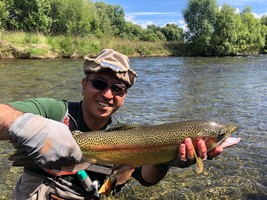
<point>170,89</point>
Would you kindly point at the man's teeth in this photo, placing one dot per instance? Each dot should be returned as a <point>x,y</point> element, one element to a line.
<point>102,103</point>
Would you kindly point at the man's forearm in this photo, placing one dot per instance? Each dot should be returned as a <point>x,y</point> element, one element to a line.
<point>153,174</point>
<point>7,116</point>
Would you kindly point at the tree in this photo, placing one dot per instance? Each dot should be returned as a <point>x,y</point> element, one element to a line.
<point>71,17</point>
<point>109,19</point>
<point>132,31</point>
<point>157,32</point>
<point>3,14</point>
<point>200,16</point>
<point>28,15</point>
<point>102,22</point>
<point>253,33</point>
<point>116,15</point>
<point>264,20</point>
<point>149,35</point>
<point>226,29</point>
<point>173,33</point>
<point>264,24</point>
<point>58,24</point>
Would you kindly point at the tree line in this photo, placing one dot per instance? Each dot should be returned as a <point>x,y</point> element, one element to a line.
<point>210,30</point>
<point>78,18</point>
<point>223,31</point>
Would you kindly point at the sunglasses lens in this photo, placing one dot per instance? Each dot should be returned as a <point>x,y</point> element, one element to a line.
<point>117,89</point>
<point>99,84</point>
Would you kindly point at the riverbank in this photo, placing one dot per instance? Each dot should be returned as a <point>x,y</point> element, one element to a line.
<point>38,46</point>
<point>21,45</point>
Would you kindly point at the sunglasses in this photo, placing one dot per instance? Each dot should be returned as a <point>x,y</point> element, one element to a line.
<point>117,89</point>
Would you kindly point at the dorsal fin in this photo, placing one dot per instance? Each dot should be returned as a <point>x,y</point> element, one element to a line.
<point>122,127</point>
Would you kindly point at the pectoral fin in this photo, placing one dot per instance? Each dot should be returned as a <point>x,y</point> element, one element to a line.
<point>106,187</point>
<point>123,173</point>
<point>199,162</point>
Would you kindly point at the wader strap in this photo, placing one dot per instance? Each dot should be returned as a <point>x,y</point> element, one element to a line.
<point>37,172</point>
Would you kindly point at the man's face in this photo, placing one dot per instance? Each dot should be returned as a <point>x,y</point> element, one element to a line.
<point>101,102</point>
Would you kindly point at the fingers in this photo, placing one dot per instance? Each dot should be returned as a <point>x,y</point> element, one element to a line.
<point>186,155</point>
<point>215,152</point>
<point>190,151</point>
<point>202,150</point>
<point>182,152</point>
<point>187,150</point>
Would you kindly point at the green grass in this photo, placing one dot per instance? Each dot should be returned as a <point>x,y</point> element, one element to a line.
<point>31,45</point>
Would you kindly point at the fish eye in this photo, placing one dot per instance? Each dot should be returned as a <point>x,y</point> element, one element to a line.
<point>221,135</point>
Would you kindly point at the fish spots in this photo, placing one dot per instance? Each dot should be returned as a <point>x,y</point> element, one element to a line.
<point>148,144</point>
<point>141,144</point>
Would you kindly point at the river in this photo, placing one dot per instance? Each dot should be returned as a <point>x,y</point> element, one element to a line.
<point>168,89</point>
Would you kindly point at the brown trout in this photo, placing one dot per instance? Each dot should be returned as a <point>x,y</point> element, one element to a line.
<point>139,145</point>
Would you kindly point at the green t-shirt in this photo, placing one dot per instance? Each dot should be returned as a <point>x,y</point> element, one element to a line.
<point>46,107</point>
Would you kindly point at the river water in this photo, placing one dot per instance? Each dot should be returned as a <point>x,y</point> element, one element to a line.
<point>168,89</point>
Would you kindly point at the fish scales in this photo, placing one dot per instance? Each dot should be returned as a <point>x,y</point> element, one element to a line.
<point>139,145</point>
<point>142,145</point>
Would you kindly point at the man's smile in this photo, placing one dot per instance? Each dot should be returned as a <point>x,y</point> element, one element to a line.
<point>104,104</point>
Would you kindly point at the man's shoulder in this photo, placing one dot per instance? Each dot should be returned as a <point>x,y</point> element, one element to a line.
<point>46,107</point>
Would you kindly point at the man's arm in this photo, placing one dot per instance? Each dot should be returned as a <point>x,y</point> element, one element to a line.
<point>48,142</point>
<point>7,116</point>
<point>46,107</point>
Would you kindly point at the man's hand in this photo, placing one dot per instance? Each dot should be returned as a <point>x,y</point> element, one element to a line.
<point>185,157</point>
<point>49,143</point>
<point>186,154</point>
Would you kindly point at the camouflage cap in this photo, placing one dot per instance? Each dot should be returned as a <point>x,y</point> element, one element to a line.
<point>113,60</point>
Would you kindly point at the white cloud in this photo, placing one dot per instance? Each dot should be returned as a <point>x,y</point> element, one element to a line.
<point>237,11</point>
<point>162,18</point>
<point>240,2</point>
<point>181,22</point>
<point>134,18</point>
<point>145,24</point>
<point>152,13</point>
<point>142,23</point>
<point>259,15</point>
<point>130,18</point>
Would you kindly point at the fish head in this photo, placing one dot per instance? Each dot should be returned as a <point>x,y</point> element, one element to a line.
<point>216,133</point>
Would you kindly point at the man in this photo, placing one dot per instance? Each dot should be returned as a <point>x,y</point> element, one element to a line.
<point>36,124</point>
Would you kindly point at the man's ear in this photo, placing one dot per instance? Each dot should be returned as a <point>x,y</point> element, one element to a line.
<point>84,83</point>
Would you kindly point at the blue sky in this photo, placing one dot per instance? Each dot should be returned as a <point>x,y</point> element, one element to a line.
<point>161,12</point>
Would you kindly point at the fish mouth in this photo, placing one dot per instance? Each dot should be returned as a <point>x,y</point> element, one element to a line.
<point>228,142</point>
